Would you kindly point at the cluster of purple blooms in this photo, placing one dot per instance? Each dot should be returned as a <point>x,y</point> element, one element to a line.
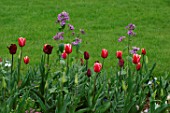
<point>130,28</point>
<point>59,36</point>
<point>134,50</point>
<point>62,18</point>
<point>121,38</point>
<point>77,41</point>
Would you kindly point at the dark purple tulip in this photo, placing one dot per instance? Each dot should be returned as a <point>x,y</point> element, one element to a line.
<point>86,55</point>
<point>121,62</point>
<point>12,48</point>
<point>88,73</point>
<point>47,49</point>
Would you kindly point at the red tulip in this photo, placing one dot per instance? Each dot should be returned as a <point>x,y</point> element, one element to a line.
<point>104,53</point>
<point>21,41</point>
<point>26,60</point>
<point>119,54</point>
<point>68,48</point>
<point>136,58</point>
<point>138,66</point>
<point>121,62</point>
<point>47,49</point>
<point>143,51</point>
<point>97,67</point>
<point>12,48</point>
<point>86,55</point>
<point>88,73</point>
<point>64,55</point>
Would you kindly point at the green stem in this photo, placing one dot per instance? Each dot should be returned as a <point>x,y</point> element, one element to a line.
<point>19,66</point>
<point>68,64</point>
<point>12,64</point>
<point>128,56</point>
<point>94,87</point>
<point>103,64</point>
<point>86,65</point>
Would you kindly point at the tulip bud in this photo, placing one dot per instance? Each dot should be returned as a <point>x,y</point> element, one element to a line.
<point>82,61</point>
<point>61,47</point>
<point>68,48</point>
<point>138,66</point>
<point>121,62</point>
<point>64,55</point>
<point>26,60</point>
<point>143,51</point>
<point>86,55</point>
<point>88,73</point>
<point>119,54</point>
<point>104,53</point>
<point>136,58</point>
<point>21,41</point>
<point>12,48</point>
<point>97,67</point>
<point>47,49</point>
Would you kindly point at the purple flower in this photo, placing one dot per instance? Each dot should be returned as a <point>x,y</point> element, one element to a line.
<point>62,18</point>
<point>59,36</point>
<point>71,27</point>
<point>131,26</point>
<point>121,38</point>
<point>73,33</point>
<point>131,33</point>
<point>134,50</point>
<point>82,31</point>
<point>77,41</point>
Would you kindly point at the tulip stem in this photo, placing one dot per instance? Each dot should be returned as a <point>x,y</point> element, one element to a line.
<point>12,64</point>
<point>94,91</point>
<point>128,56</point>
<point>19,65</point>
<point>86,65</point>
<point>103,63</point>
<point>68,64</point>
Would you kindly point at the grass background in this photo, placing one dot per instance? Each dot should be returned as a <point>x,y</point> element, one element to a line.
<point>104,22</point>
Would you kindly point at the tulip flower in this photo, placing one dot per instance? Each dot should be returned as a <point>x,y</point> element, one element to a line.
<point>138,66</point>
<point>97,67</point>
<point>47,49</point>
<point>64,55</point>
<point>119,54</point>
<point>86,55</point>
<point>143,51</point>
<point>12,48</point>
<point>121,62</point>
<point>88,73</point>
<point>104,53</point>
<point>21,41</point>
<point>26,60</point>
<point>136,58</point>
<point>68,48</point>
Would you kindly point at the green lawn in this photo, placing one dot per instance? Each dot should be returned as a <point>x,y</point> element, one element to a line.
<point>103,20</point>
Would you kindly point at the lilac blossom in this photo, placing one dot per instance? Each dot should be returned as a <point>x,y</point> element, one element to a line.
<point>131,26</point>
<point>71,27</point>
<point>76,41</point>
<point>121,38</point>
<point>134,50</point>
<point>59,36</point>
<point>131,33</point>
<point>82,31</point>
<point>62,18</point>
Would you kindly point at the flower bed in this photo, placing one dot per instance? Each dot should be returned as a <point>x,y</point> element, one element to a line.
<point>72,86</point>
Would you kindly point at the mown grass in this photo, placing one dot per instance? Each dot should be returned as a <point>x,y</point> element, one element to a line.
<point>103,21</point>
